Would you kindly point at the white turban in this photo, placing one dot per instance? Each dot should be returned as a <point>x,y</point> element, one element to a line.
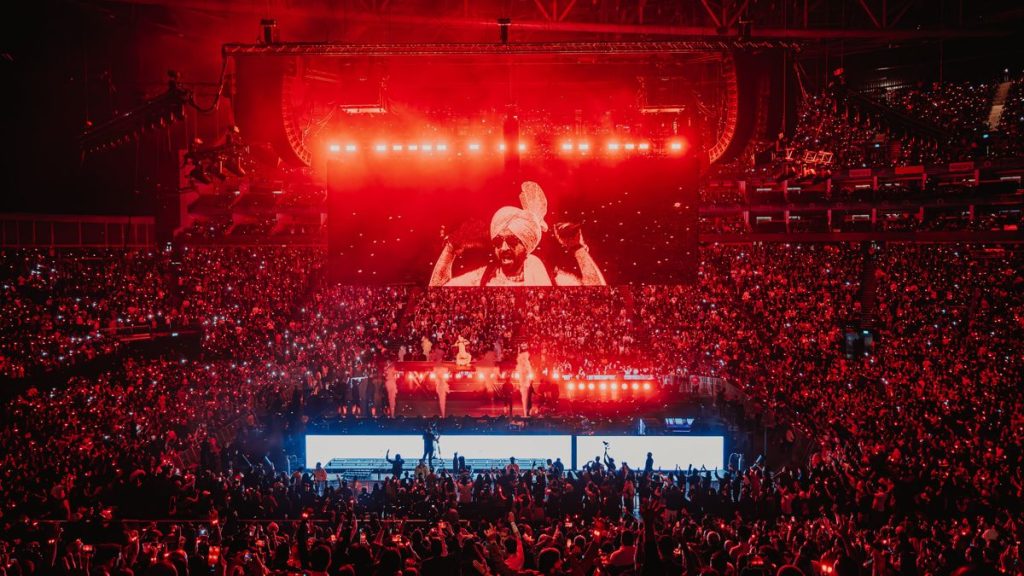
<point>526,223</point>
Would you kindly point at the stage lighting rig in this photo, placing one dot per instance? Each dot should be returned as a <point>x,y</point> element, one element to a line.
<point>160,112</point>
<point>231,156</point>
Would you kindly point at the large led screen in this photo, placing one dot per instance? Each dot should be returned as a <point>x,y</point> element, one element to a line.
<point>525,448</point>
<point>668,451</point>
<point>456,220</point>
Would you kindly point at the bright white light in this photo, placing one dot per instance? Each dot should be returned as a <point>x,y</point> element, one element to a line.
<point>583,146</point>
<point>668,451</point>
<point>413,147</point>
<point>567,146</point>
<point>676,145</point>
<point>630,146</point>
<point>474,146</point>
<point>501,147</point>
<point>350,147</point>
<point>643,146</point>
<point>442,147</point>
<point>522,147</point>
<point>334,148</point>
<point>427,147</point>
<point>323,449</point>
<point>380,148</point>
<point>396,147</point>
<point>613,146</point>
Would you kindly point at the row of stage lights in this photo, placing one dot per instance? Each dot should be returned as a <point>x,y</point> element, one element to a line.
<point>606,386</point>
<point>677,146</point>
<point>569,386</point>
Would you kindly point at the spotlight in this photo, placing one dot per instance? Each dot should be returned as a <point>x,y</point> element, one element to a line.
<point>570,386</point>
<point>630,146</point>
<point>350,147</point>
<point>381,148</point>
<point>613,146</point>
<point>567,146</point>
<point>396,147</point>
<point>427,147</point>
<point>676,146</point>
<point>583,146</point>
<point>334,148</point>
<point>474,146</point>
<point>643,146</point>
<point>603,386</point>
<point>522,147</point>
<point>590,386</point>
<point>413,147</point>
<point>635,386</point>
<point>647,385</point>
<point>442,147</point>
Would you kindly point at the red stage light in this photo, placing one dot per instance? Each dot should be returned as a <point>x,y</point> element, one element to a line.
<point>567,146</point>
<point>603,386</point>
<point>613,146</point>
<point>413,147</point>
<point>590,386</point>
<point>583,146</point>
<point>501,147</point>
<point>442,147</point>
<point>350,147</point>
<point>625,386</point>
<point>396,147</point>
<point>636,386</point>
<point>335,148</point>
<point>630,146</point>
<point>381,148</point>
<point>570,386</point>
<point>522,147</point>
<point>427,147</point>
<point>474,146</point>
<point>647,385</point>
<point>644,146</point>
<point>676,146</point>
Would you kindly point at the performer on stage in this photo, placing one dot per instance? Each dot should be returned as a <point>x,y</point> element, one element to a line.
<point>515,234</point>
<point>391,386</point>
<point>525,371</point>
<point>442,388</point>
<point>430,438</point>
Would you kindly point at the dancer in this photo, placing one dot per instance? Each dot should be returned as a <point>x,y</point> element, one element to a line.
<point>391,386</point>
<point>525,372</point>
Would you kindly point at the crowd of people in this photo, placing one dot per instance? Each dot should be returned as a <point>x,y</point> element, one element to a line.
<point>174,462</point>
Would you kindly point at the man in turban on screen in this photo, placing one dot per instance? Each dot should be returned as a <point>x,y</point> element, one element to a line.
<point>515,233</point>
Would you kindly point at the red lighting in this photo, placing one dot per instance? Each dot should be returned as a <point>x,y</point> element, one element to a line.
<point>603,386</point>
<point>442,147</point>
<point>570,386</point>
<point>350,147</point>
<point>567,146</point>
<point>396,147</point>
<point>474,146</point>
<point>625,386</point>
<point>501,147</point>
<point>613,146</point>
<point>630,146</point>
<point>380,148</point>
<point>647,385</point>
<point>590,386</point>
<point>427,147</point>
<point>644,146</point>
<point>522,147</point>
<point>335,148</point>
<point>676,146</point>
<point>583,146</point>
<point>413,147</point>
<point>635,386</point>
